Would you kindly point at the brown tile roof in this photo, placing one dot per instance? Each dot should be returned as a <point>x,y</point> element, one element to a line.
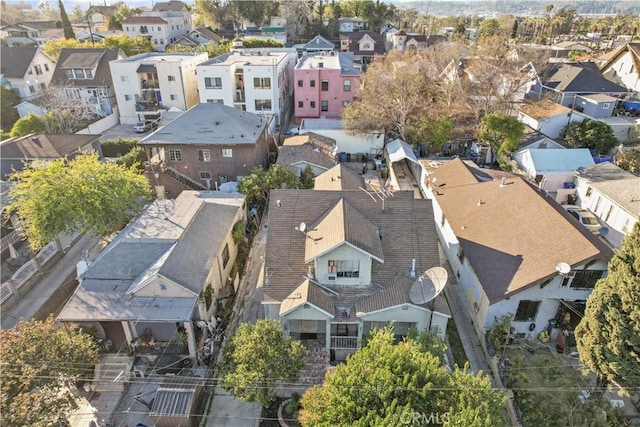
<point>511,234</point>
<point>543,109</point>
<point>339,178</point>
<point>406,226</point>
<point>144,20</point>
<point>311,293</point>
<point>342,224</point>
<point>44,146</point>
<point>310,148</point>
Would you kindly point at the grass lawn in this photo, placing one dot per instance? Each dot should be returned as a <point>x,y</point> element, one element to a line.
<point>459,355</point>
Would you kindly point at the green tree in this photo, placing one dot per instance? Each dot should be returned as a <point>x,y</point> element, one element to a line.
<point>608,337</point>
<point>256,358</point>
<point>54,47</point>
<point>129,45</point>
<point>306,178</point>
<point>257,185</point>
<point>66,24</point>
<point>115,20</point>
<point>503,133</point>
<point>629,160</point>
<point>488,28</point>
<point>38,362</point>
<point>591,134</point>
<point>78,195</point>
<point>134,158</point>
<point>435,130</point>
<point>254,43</point>
<point>514,29</point>
<point>28,124</point>
<point>9,98</point>
<point>387,384</point>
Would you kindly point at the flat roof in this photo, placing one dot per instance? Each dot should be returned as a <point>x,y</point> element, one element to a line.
<point>249,57</point>
<point>161,57</point>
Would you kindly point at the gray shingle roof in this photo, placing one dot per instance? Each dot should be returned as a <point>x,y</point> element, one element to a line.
<point>210,123</point>
<point>102,75</point>
<point>44,146</point>
<point>354,40</point>
<point>82,59</point>
<point>15,61</point>
<point>311,293</point>
<point>617,184</point>
<point>406,226</point>
<point>578,77</point>
<point>319,43</point>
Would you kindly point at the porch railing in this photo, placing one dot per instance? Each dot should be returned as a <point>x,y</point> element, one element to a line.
<point>347,343</point>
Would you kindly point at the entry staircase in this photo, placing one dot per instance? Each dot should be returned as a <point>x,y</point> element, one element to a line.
<point>184,179</point>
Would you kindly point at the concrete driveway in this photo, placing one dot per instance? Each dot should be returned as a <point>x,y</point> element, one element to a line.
<point>227,411</point>
<point>126,131</point>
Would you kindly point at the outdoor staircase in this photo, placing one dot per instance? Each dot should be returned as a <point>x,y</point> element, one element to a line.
<point>111,373</point>
<point>184,180</point>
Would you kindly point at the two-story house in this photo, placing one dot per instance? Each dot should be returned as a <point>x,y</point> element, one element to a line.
<point>199,36</point>
<point>27,69</point>
<point>150,82</point>
<point>341,263</point>
<point>364,45</point>
<point>84,74</point>
<point>98,15</point>
<point>402,41</point>
<point>351,24</point>
<point>325,83</point>
<point>25,33</point>
<point>165,271</point>
<point>163,25</point>
<point>622,66</point>
<point>513,250</point>
<point>257,81</point>
<point>207,146</point>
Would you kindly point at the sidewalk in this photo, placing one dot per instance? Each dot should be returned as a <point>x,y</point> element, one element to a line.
<point>55,275</point>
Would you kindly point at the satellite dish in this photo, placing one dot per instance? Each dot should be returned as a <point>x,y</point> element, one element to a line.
<point>604,231</point>
<point>302,227</point>
<point>563,268</point>
<point>428,285</point>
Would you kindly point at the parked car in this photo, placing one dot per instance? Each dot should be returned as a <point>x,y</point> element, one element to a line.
<point>146,126</point>
<point>586,218</point>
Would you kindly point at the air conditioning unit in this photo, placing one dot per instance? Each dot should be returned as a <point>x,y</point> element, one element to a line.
<point>331,276</point>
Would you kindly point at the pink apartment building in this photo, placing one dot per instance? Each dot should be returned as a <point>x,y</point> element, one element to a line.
<point>324,83</point>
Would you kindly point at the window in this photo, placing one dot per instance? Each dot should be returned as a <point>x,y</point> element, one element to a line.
<point>124,78</point>
<point>312,83</point>
<point>366,45</point>
<point>38,69</point>
<point>213,82</point>
<point>263,104</point>
<point>227,152</point>
<point>174,97</point>
<point>32,89</point>
<point>312,104</point>
<point>344,268</point>
<point>461,254</point>
<point>527,311</point>
<point>325,85</point>
<point>586,279</point>
<point>262,83</point>
<point>215,101</point>
<point>127,97</point>
<point>43,86</point>
<point>82,73</point>
<point>589,192</point>
<point>204,155</point>
<point>171,78</point>
<point>175,155</point>
<point>300,83</point>
<point>161,42</point>
<point>346,85</point>
<point>324,105</point>
<point>300,104</point>
<point>225,256</point>
<point>345,103</point>
<point>205,175</point>
<point>46,67</point>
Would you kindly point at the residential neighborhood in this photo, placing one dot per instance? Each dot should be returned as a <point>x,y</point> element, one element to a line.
<point>260,213</point>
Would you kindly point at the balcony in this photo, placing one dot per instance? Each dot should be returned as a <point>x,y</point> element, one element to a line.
<point>344,343</point>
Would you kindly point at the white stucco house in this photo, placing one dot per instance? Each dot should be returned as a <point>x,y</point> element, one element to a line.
<point>505,241</point>
<point>150,82</point>
<point>341,263</point>
<point>27,70</point>
<point>613,195</point>
<point>622,65</point>
<point>547,117</point>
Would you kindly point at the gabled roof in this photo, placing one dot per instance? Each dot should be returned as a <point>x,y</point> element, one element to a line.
<point>633,48</point>
<point>143,20</point>
<point>399,150</point>
<point>86,57</point>
<point>558,161</point>
<point>105,10</point>
<point>210,124</point>
<point>404,227</point>
<point>342,224</point>
<point>356,37</point>
<point>44,146</point>
<point>38,25</point>
<point>543,109</point>
<point>571,46</point>
<point>580,77</point>
<point>617,184</point>
<point>512,236</point>
<point>319,43</point>
<point>338,178</point>
<point>207,33</point>
<point>15,61</point>
<point>308,293</point>
<point>309,148</point>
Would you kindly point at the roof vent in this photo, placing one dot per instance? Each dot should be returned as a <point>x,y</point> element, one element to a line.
<point>320,64</point>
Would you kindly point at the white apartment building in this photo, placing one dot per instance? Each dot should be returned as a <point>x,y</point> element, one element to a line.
<point>161,28</point>
<point>257,81</point>
<point>150,83</point>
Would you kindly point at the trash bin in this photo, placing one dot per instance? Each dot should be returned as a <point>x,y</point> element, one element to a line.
<point>343,157</point>
<point>572,199</point>
<point>348,157</point>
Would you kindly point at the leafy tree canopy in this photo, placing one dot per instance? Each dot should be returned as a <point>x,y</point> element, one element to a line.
<point>503,133</point>
<point>38,361</point>
<point>9,98</point>
<point>591,134</point>
<point>212,48</point>
<point>129,45</point>
<point>28,124</point>
<point>82,194</point>
<point>257,358</point>
<point>608,337</point>
<point>66,24</point>
<point>386,384</point>
<point>257,185</point>
<point>254,43</point>
<point>629,160</point>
